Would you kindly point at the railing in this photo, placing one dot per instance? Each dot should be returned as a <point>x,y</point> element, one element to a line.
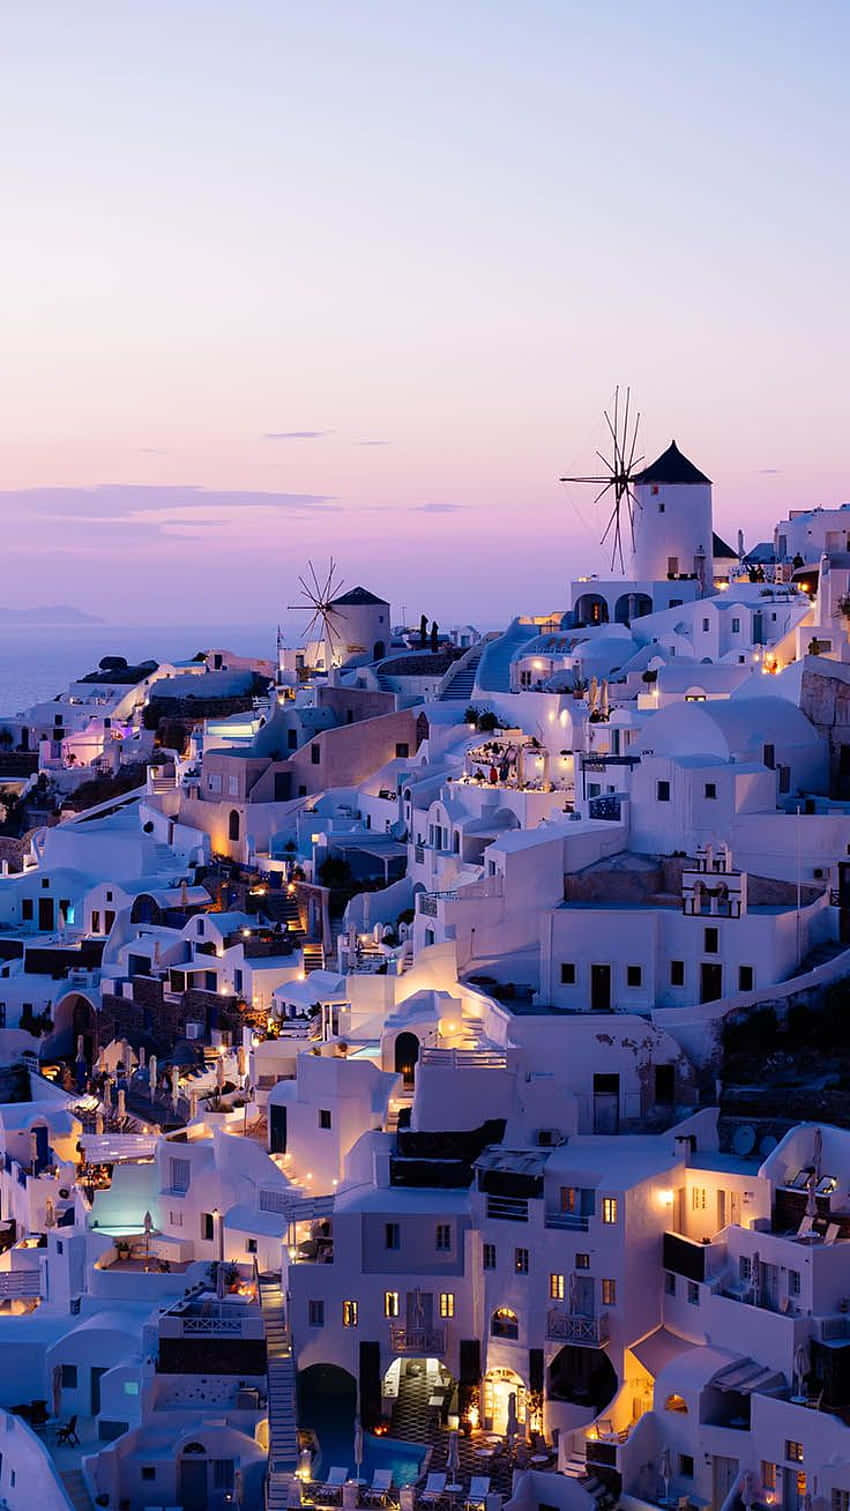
<point>569,1327</point>
<point>831,1329</point>
<point>215,1325</point>
<point>20,1283</point>
<point>507,1208</point>
<point>428,904</point>
<point>465,1059</point>
<point>571,1220</point>
<point>418,1340</point>
<point>419,855</point>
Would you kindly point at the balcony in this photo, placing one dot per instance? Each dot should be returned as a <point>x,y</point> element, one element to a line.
<point>569,1327</point>
<point>423,1342</point>
<point>573,1221</point>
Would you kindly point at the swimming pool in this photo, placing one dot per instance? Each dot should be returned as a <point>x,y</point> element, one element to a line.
<point>331,1417</point>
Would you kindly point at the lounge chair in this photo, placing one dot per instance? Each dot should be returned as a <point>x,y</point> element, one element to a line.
<point>832,1232</point>
<point>479,1489</point>
<point>68,1436</point>
<point>806,1228</point>
<point>334,1482</point>
<point>382,1483</point>
<point>435,1489</point>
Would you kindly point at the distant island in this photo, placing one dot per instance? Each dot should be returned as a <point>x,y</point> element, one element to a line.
<point>56,613</point>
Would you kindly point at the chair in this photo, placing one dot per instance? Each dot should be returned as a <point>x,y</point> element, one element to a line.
<point>435,1489</point>
<point>68,1435</point>
<point>334,1482</point>
<point>832,1232</point>
<point>479,1489</point>
<point>382,1483</point>
<point>806,1228</point>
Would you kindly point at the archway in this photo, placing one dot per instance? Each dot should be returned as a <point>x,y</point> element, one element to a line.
<point>233,825</point>
<point>327,1402</point>
<point>631,606</point>
<point>407,1057</point>
<point>591,608</point>
<point>584,1376</point>
<point>74,1017</point>
<point>499,1386</point>
<point>192,1477</point>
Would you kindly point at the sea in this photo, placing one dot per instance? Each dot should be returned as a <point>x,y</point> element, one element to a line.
<point>37,662</point>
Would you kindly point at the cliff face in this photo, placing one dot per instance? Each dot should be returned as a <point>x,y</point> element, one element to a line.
<point>825,700</point>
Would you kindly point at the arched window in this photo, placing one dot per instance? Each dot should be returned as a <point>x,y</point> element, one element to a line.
<point>407,1056</point>
<point>504,1323</point>
<point>456,842</point>
<point>676,1403</point>
<point>233,824</point>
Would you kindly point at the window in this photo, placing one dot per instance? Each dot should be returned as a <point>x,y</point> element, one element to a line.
<point>521,1261</point>
<point>489,1260</point>
<point>207,1226</point>
<point>710,942</point>
<point>609,1293</point>
<point>669,1283</point>
<point>745,1268</point>
<point>568,973</point>
<point>745,978</point>
<point>693,1293</point>
<point>609,1209</point>
<point>233,786</point>
<point>392,1235</point>
<point>634,975</point>
<point>582,1261</point>
<point>316,754</point>
<point>402,750</point>
<point>711,789</point>
<point>237,981</point>
<point>662,792</point>
<point>568,1198</point>
<point>556,1287</point>
<point>444,1237</point>
<point>504,1323</point>
<point>222,1474</point>
<point>349,1313</point>
<point>768,756</point>
<point>181,1172</point>
<point>676,1403</point>
<point>736,626</point>
<point>768,1475</point>
<point>175,1218</point>
<point>840,1500</point>
<point>27,915</point>
<point>698,1198</point>
<point>447,1303</point>
<point>793,1282</point>
<point>390,1303</point>
<point>148,1472</point>
<point>677,972</point>
<point>324,1117</point>
<point>69,1376</point>
<point>316,1313</point>
<point>794,1451</point>
<point>250,1245</point>
<point>686,1466</point>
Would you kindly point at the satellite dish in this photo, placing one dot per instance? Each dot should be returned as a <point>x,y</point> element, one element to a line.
<point>744,1141</point>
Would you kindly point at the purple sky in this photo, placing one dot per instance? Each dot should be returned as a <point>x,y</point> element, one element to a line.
<point>285,279</point>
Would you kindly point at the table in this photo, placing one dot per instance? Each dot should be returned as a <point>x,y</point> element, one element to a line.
<point>436,1402</point>
<point>540,1458</point>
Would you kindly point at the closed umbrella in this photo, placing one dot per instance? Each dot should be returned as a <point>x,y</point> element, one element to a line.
<point>512,1423</point>
<point>453,1458</point>
<point>802,1365</point>
<point>56,1389</point>
<point>811,1201</point>
<point>358,1447</point>
<point>152,1075</point>
<point>818,1156</point>
<point>666,1471</point>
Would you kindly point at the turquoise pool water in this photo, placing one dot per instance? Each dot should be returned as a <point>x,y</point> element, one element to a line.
<point>329,1411</point>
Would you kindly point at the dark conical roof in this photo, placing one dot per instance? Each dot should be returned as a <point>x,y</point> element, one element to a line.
<point>671,467</point>
<point>358,596</point>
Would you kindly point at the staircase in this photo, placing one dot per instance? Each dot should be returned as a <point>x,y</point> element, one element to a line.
<point>76,1490</point>
<point>313,956</point>
<point>577,1468</point>
<point>458,684</point>
<point>283,1426</point>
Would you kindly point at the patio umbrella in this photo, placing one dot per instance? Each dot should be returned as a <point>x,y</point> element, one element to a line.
<point>152,1075</point>
<point>56,1389</point>
<point>98,1123</point>
<point>219,1278</point>
<point>748,1493</point>
<point>811,1201</point>
<point>148,1225</point>
<point>358,1447</point>
<point>818,1155</point>
<point>141,1056</point>
<point>175,1086</point>
<point>238,1487</point>
<point>49,1213</point>
<point>122,1103</point>
<point>604,703</point>
<point>802,1365</point>
<point>512,1424</point>
<point>453,1457</point>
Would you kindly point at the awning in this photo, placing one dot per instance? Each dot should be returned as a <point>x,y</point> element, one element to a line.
<point>660,1348</point>
<point>745,1376</point>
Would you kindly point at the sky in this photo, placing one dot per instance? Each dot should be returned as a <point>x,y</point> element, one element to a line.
<point>283,280</point>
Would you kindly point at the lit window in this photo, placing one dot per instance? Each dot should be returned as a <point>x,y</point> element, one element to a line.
<point>349,1313</point>
<point>447,1303</point>
<point>582,1261</point>
<point>794,1452</point>
<point>768,1475</point>
<point>521,1261</point>
<point>390,1303</point>
<point>556,1287</point>
<point>609,1293</point>
<point>676,1403</point>
<point>609,1209</point>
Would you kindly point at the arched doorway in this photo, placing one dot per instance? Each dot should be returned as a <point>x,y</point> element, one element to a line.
<point>327,1402</point>
<point>233,825</point>
<point>631,606</point>
<point>499,1386</point>
<point>584,1376</point>
<point>192,1474</point>
<point>591,608</point>
<point>407,1057</point>
<point>73,1018</point>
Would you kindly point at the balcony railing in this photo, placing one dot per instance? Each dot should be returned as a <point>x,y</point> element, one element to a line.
<point>570,1220</point>
<point>570,1327</point>
<point>421,1341</point>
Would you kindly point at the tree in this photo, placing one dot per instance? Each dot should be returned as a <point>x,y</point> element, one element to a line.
<point>435,636</point>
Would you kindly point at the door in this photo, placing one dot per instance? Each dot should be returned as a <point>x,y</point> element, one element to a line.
<point>606,1104</point>
<point>711,981</point>
<point>600,988</point>
<point>45,913</point>
<point>721,1210</point>
<point>723,1478</point>
<point>583,1294</point>
<point>193,1484</point>
<point>95,1389</point>
<point>277,1129</point>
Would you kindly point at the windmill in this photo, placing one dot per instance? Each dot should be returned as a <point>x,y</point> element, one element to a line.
<point>619,475</point>
<point>319,596</point>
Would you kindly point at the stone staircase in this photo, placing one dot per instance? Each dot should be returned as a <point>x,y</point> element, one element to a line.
<point>577,1468</point>
<point>312,955</point>
<point>76,1490</point>
<point>283,1426</point>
